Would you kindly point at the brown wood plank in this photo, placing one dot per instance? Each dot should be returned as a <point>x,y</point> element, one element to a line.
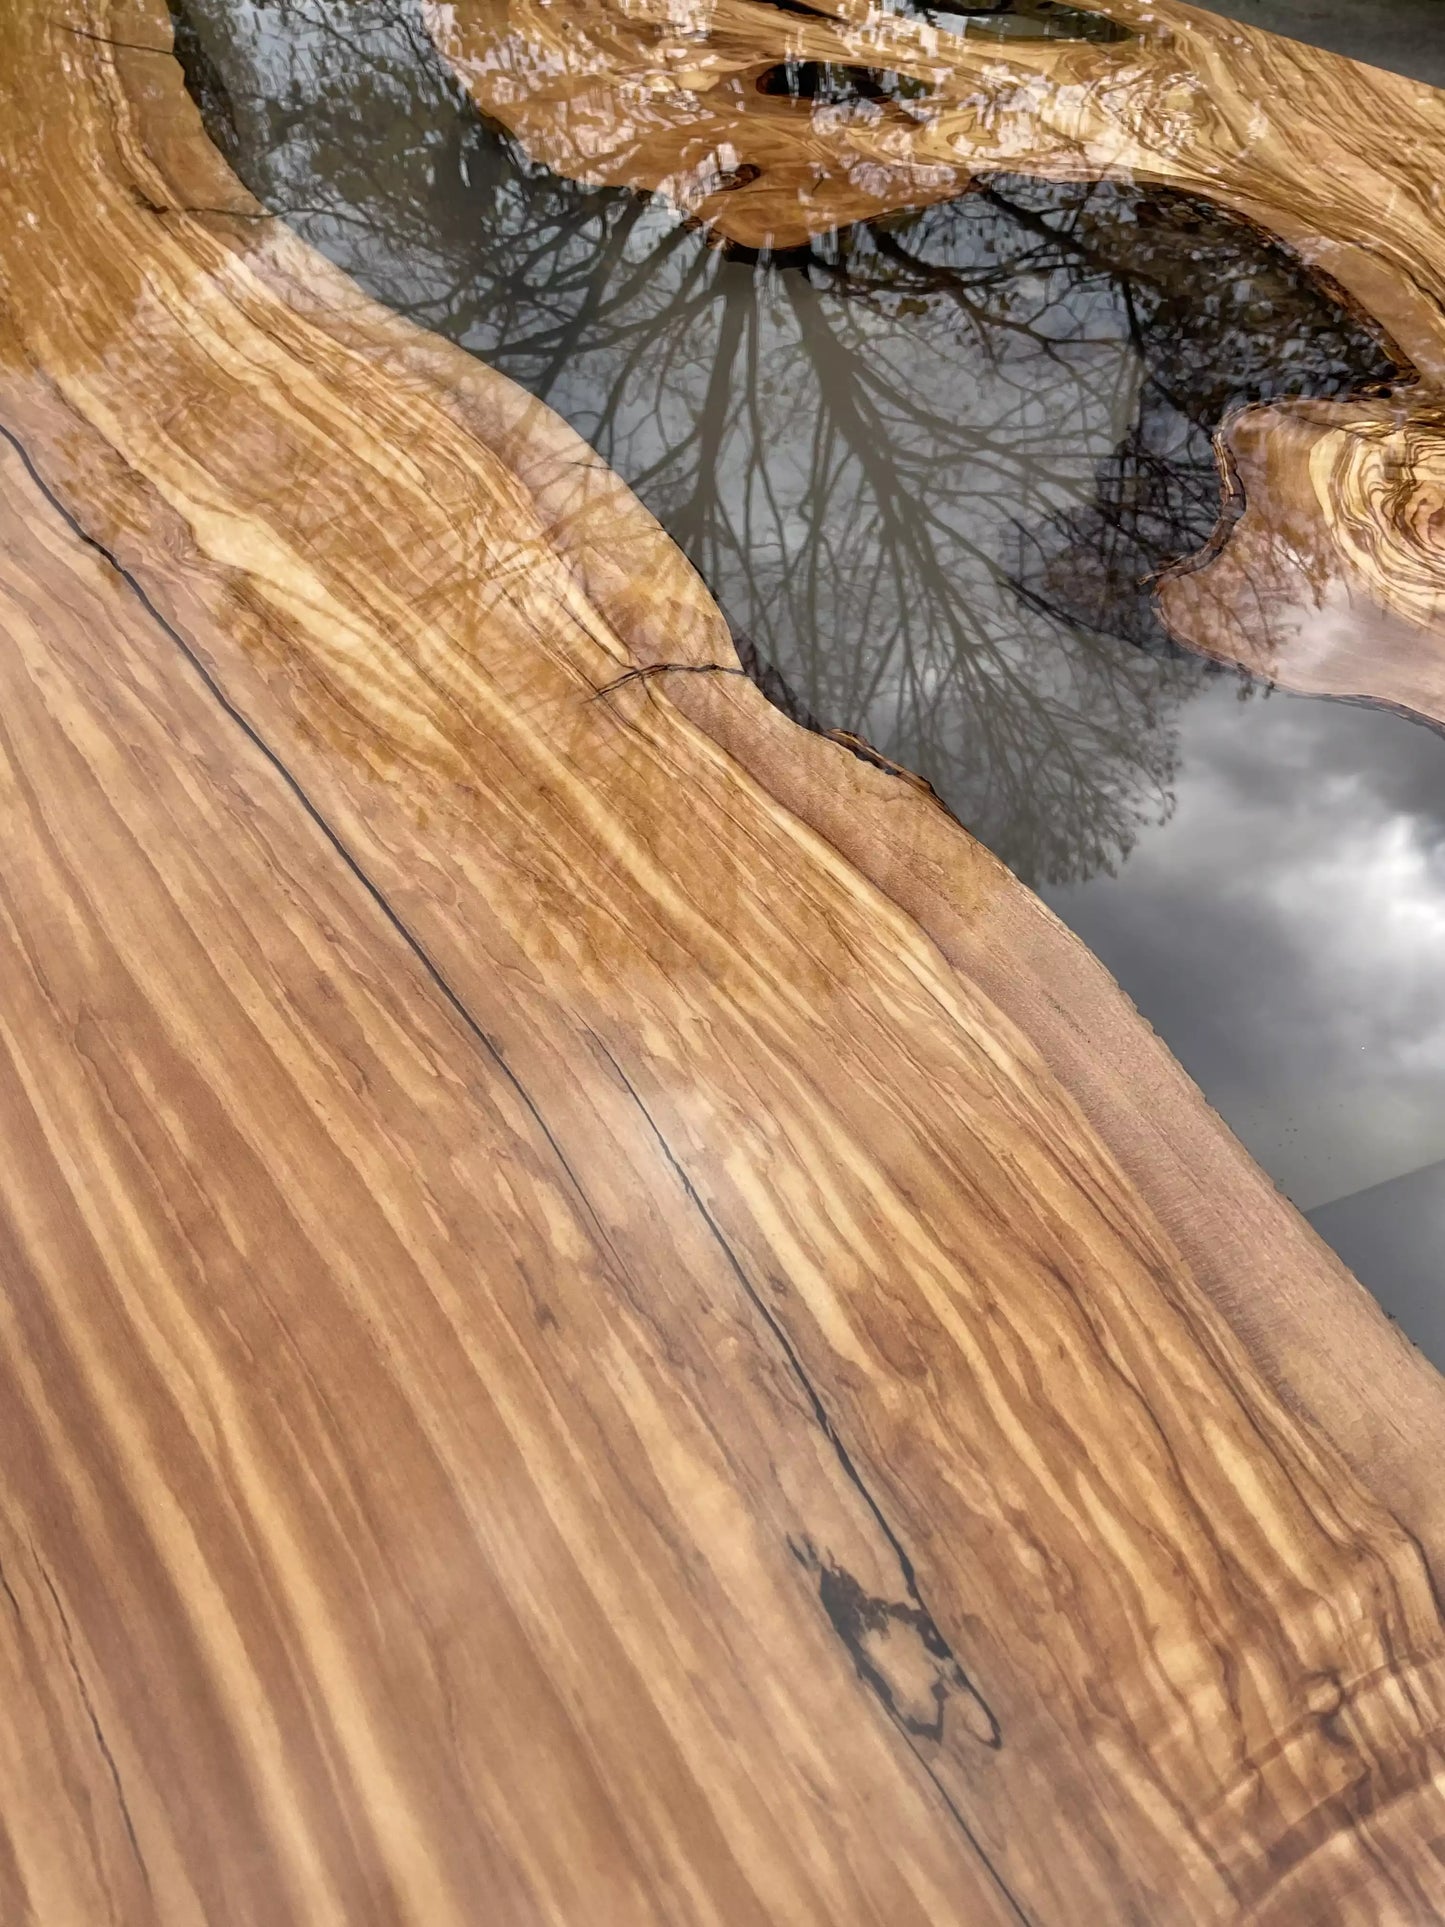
<point>368,1555</point>
<point>603,1319</point>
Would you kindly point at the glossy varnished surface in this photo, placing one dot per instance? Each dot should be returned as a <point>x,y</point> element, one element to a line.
<point>930,467</point>
<point>605,1319</point>
<point>1341,160</point>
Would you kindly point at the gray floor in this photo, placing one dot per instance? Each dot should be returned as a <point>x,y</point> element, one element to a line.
<point>1392,1237</point>
<point>1406,35</point>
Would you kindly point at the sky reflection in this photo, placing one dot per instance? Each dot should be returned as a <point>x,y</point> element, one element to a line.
<point>1285,931</point>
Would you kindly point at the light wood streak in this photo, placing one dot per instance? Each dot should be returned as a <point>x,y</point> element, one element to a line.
<point>1337,583</point>
<point>603,1320</point>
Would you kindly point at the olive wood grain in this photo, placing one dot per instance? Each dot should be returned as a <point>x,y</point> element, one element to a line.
<point>604,1320</point>
<point>1346,527</point>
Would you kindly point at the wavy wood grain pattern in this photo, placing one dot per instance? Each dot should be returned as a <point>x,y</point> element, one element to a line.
<point>1337,586</point>
<point>604,1320</point>
<point>373,1551</point>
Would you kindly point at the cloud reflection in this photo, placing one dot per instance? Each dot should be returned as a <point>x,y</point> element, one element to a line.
<point>1285,931</point>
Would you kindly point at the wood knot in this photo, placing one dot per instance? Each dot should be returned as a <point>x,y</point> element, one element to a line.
<point>899,1652</point>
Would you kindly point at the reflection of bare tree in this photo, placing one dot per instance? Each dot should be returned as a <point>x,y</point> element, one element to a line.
<point>922,466</point>
<point>1220,318</point>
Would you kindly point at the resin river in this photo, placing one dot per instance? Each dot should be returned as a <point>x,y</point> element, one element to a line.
<point>928,466</point>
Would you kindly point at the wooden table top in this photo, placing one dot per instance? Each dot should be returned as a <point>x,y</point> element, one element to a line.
<point>601,1318</point>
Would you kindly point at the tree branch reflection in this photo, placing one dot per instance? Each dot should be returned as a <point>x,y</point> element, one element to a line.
<point>927,466</point>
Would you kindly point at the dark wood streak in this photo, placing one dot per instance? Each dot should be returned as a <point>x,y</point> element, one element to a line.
<point>843,1599</point>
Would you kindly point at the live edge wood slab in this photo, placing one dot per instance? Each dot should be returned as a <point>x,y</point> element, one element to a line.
<point>1332,580</point>
<point>602,1319</point>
